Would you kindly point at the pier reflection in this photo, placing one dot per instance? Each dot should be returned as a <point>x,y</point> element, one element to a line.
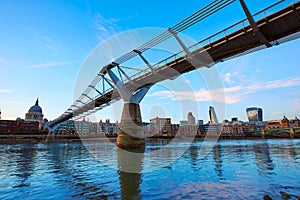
<point>194,154</point>
<point>130,164</point>
<point>25,165</point>
<point>263,158</point>
<point>74,163</point>
<point>217,151</point>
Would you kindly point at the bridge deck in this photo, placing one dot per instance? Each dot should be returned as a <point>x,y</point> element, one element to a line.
<point>274,27</point>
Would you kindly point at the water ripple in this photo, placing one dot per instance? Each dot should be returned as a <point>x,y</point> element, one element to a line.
<point>242,169</point>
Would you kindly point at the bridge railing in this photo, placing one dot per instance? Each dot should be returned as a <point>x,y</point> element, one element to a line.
<point>197,47</point>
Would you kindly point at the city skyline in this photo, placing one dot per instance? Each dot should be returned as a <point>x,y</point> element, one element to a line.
<point>41,55</point>
<point>189,119</point>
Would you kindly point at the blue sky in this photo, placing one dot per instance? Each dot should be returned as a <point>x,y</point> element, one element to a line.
<point>44,43</point>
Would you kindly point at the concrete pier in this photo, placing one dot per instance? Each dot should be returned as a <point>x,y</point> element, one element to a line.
<point>292,133</point>
<point>263,133</point>
<point>131,133</point>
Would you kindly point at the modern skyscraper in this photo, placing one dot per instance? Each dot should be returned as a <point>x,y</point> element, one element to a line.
<point>212,115</point>
<point>254,114</point>
<point>191,118</point>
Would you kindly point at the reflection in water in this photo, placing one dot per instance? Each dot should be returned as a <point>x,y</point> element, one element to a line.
<point>130,168</point>
<point>262,155</point>
<point>218,160</point>
<point>25,165</point>
<point>74,163</point>
<point>130,185</point>
<point>291,152</point>
<point>232,170</point>
<point>193,154</point>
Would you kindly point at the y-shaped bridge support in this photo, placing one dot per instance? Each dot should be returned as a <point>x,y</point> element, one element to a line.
<point>257,32</point>
<point>130,134</point>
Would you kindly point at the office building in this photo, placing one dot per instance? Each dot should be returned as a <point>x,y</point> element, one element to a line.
<point>191,118</point>
<point>212,115</point>
<point>254,114</point>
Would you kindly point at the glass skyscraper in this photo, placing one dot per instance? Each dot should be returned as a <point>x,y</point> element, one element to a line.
<point>212,115</point>
<point>255,114</point>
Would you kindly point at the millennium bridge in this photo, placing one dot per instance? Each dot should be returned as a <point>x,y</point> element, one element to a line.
<point>115,81</point>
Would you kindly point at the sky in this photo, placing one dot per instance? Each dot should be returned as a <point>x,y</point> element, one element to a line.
<point>43,45</point>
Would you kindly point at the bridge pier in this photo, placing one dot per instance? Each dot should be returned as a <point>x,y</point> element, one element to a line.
<point>292,133</point>
<point>263,133</point>
<point>130,135</point>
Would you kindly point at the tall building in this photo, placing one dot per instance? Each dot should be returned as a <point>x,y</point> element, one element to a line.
<point>191,118</point>
<point>212,115</point>
<point>35,113</point>
<point>254,114</point>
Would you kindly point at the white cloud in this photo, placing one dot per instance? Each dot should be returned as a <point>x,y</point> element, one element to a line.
<point>50,64</point>
<point>289,82</point>
<point>227,95</point>
<point>227,77</point>
<point>230,76</point>
<point>106,26</point>
<point>5,91</point>
<point>48,42</point>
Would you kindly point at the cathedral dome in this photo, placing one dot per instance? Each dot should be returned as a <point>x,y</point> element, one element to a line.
<point>36,107</point>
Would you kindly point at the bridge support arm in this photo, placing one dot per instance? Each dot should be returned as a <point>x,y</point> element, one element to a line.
<point>194,62</point>
<point>81,102</point>
<point>139,95</point>
<point>91,86</point>
<point>145,61</point>
<point>128,78</point>
<point>88,97</point>
<point>256,30</point>
<point>126,95</point>
<point>185,49</point>
<point>123,91</point>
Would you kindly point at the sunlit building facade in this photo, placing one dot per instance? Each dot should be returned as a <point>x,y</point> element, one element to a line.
<point>254,114</point>
<point>212,115</point>
<point>191,118</point>
<point>162,126</point>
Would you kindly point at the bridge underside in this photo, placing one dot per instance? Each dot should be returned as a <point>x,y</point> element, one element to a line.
<point>274,27</point>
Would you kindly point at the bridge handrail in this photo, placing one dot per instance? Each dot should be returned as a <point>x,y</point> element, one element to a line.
<point>181,54</point>
<point>208,39</point>
<point>240,22</point>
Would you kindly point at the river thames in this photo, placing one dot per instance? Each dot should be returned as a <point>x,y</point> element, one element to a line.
<point>233,169</point>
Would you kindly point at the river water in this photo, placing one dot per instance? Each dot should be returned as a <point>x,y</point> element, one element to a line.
<point>233,169</point>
